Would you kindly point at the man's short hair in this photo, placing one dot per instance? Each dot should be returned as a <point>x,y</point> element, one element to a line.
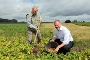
<point>57,21</point>
<point>35,7</point>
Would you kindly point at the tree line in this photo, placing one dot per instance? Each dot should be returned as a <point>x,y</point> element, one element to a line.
<point>8,21</point>
<point>68,21</point>
<point>15,21</point>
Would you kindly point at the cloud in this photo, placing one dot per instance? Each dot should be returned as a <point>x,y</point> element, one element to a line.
<point>14,8</point>
<point>50,10</point>
<point>67,7</point>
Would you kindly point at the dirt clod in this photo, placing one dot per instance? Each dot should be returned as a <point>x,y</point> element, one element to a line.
<point>35,49</point>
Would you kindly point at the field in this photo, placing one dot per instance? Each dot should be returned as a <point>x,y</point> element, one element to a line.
<point>82,23</point>
<point>13,43</point>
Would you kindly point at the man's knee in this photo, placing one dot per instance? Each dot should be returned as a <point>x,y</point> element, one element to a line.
<point>29,32</point>
<point>39,35</point>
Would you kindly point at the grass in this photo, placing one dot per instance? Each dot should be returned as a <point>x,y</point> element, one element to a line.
<point>13,43</point>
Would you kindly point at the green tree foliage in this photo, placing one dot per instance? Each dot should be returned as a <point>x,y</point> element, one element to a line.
<point>67,21</point>
<point>7,20</point>
<point>75,21</point>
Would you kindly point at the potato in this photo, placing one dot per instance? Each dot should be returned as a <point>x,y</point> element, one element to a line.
<point>51,49</point>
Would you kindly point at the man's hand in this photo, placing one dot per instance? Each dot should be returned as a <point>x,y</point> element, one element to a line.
<point>36,29</point>
<point>56,50</point>
<point>39,21</point>
<point>59,46</point>
<point>27,14</point>
<point>52,40</point>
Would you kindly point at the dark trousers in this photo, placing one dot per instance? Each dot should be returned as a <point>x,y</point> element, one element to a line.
<point>65,48</point>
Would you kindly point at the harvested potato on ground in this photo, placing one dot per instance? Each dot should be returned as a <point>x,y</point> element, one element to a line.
<point>51,49</point>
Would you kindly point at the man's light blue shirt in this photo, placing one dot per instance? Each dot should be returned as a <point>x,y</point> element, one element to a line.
<point>63,34</point>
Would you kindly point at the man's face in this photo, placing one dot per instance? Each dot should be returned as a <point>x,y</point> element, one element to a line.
<point>57,25</point>
<point>34,11</point>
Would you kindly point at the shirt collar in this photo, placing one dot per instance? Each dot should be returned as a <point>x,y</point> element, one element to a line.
<point>60,28</point>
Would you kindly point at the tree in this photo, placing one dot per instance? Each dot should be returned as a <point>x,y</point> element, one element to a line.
<point>67,21</point>
<point>14,20</point>
<point>83,21</point>
<point>7,20</point>
<point>75,21</point>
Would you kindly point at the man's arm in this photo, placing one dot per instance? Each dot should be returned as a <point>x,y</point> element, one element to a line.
<point>29,23</point>
<point>54,37</point>
<point>59,46</point>
<point>40,20</point>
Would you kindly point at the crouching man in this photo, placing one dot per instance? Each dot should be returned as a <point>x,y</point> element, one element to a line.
<point>63,37</point>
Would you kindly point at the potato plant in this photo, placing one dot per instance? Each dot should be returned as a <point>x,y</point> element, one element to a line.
<point>13,44</point>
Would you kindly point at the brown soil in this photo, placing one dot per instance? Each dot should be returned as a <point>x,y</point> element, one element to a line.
<point>35,49</point>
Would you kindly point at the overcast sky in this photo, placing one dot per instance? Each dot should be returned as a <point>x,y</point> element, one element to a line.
<point>50,10</point>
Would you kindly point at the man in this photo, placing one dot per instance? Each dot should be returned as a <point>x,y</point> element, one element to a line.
<point>33,25</point>
<point>63,37</point>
